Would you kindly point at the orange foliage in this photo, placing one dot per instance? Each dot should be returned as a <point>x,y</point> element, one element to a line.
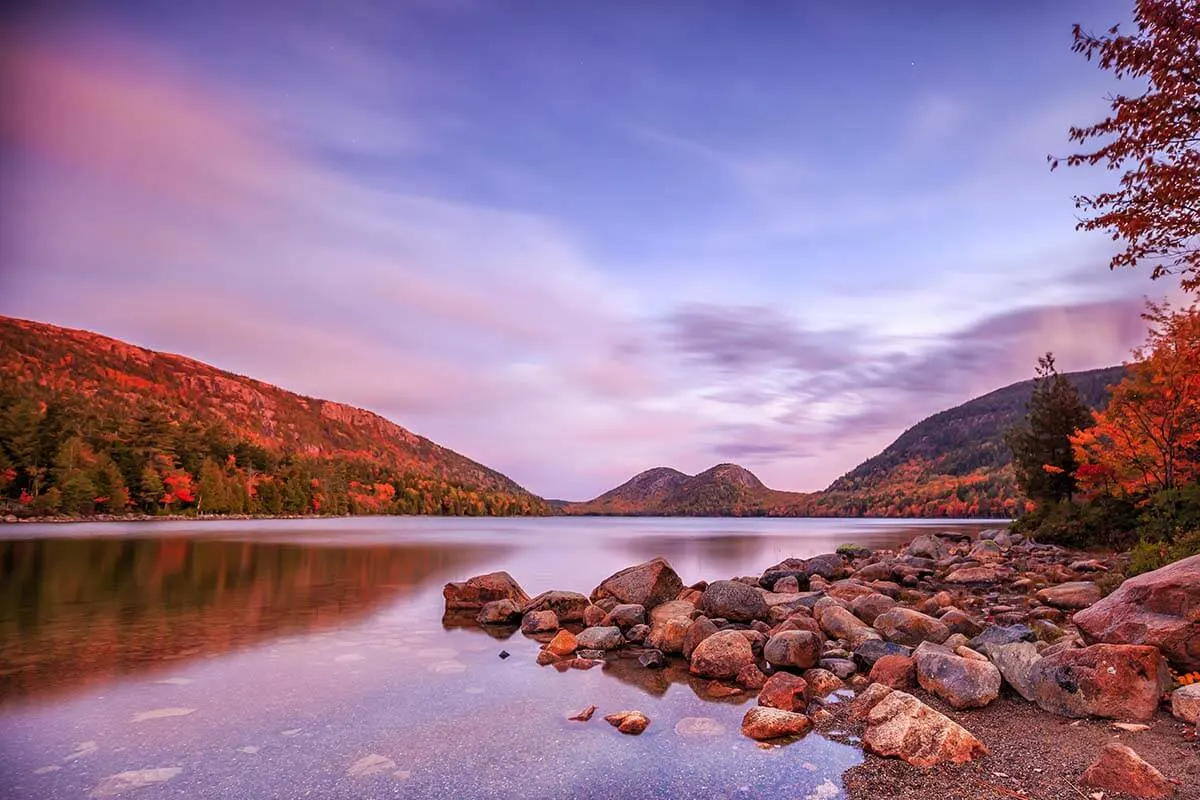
<point>1148,438</point>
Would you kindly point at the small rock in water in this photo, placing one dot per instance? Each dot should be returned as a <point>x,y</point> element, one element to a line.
<point>370,765</point>
<point>505,654</point>
<point>114,785</point>
<point>251,749</point>
<point>590,655</point>
<point>698,728</point>
<point>161,713</point>
<point>826,791</point>
<point>81,750</point>
<point>583,716</point>
<point>44,770</point>
<point>291,731</point>
<point>631,722</point>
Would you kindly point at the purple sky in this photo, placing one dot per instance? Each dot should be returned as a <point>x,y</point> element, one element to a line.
<point>573,240</point>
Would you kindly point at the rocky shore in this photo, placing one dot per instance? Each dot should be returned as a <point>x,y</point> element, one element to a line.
<point>933,658</point>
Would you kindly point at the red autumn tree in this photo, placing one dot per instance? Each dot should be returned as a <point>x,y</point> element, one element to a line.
<point>1148,438</point>
<point>1152,136</point>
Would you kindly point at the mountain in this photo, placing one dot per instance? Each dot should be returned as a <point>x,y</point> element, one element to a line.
<point>953,464</point>
<point>90,412</point>
<point>723,490</point>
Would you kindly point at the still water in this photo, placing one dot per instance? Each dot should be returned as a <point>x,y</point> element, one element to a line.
<point>289,659</point>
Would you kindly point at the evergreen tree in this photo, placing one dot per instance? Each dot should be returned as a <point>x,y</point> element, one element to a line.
<point>1043,458</point>
<point>150,489</point>
<point>110,486</point>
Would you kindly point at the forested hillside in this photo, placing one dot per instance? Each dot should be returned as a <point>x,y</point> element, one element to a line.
<point>89,424</point>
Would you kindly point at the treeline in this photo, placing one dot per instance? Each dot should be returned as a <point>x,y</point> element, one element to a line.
<point>1129,474</point>
<point>60,456</point>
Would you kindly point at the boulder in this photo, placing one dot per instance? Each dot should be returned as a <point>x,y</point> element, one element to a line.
<point>788,568</point>
<point>647,584</point>
<point>986,550</point>
<point>843,668</point>
<point>1185,703</point>
<point>869,652</point>
<point>669,623</point>
<point>822,682</point>
<point>539,622</point>
<point>734,601</point>
<point>910,628</point>
<point>625,616</point>
<point>764,722</point>
<point>1104,680</point>
<point>1072,595</point>
<point>499,612</point>
<point>602,638</point>
<point>1159,608</point>
<point>959,622</point>
<point>928,546</point>
<point>895,672</point>
<point>961,682</point>
<point>637,634</point>
<point>848,589</point>
<point>1119,769</point>
<point>786,585</point>
<point>722,655</point>
<point>653,659</point>
<point>869,606</point>
<point>1002,634</point>
<point>838,623</point>
<point>830,566</point>
<point>860,707</point>
<point>785,691</point>
<point>793,649</point>
<point>879,571</point>
<point>594,615</point>
<point>989,574</point>
<point>751,677</point>
<point>473,593</point>
<point>567,606</point>
<point>1015,661</point>
<point>563,644</point>
<point>901,726</point>
<point>697,631</point>
<point>631,722</point>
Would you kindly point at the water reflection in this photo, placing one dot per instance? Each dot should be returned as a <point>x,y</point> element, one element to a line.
<point>77,611</point>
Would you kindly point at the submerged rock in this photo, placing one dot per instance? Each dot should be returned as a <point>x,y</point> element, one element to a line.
<point>122,782</point>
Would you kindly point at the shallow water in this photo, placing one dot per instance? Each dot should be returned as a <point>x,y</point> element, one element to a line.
<point>279,659</point>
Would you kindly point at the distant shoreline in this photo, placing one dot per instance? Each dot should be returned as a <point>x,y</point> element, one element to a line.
<point>66,520</point>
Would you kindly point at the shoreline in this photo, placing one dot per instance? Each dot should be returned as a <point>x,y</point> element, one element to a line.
<point>12,519</point>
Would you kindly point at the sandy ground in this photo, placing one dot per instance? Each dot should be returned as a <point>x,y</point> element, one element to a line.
<point>1034,755</point>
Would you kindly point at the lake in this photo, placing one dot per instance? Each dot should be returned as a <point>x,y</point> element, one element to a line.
<point>308,658</point>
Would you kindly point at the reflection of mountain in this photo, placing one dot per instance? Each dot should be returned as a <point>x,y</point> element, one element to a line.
<point>75,611</point>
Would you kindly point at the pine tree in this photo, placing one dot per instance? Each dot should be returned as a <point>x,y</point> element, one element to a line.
<point>1043,458</point>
